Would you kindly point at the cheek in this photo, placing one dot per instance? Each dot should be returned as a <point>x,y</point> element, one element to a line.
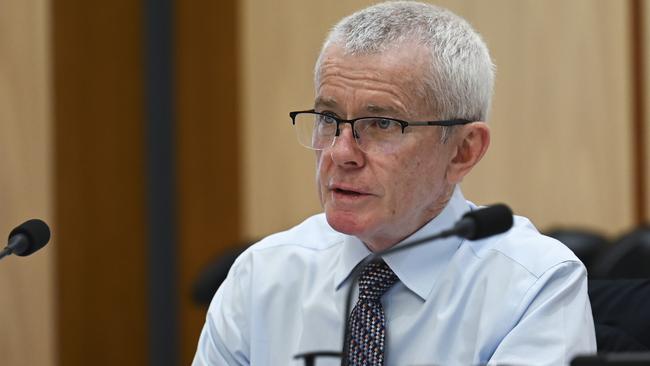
<point>399,177</point>
<point>411,179</point>
<point>418,181</point>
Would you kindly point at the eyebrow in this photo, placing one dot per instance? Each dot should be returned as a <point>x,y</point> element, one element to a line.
<point>372,109</point>
<point>325,102</point>
<point>375,109</point>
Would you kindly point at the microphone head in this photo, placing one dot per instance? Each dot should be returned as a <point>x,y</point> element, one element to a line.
<point>37,233</point>
<point>488,221</point>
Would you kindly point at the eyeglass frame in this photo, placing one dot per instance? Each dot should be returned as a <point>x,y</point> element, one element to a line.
<point>404,124</point>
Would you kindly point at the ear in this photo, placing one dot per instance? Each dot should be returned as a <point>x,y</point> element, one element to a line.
<point>470,144</point>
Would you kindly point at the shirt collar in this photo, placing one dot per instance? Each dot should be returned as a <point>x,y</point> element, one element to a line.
<point>417,267</point>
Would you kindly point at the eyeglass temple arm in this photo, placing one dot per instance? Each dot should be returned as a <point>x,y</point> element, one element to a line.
<point>445,123</point>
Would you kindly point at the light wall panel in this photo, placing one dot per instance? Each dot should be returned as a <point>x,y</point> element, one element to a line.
<point>561,116</point>
<point>27,299</point>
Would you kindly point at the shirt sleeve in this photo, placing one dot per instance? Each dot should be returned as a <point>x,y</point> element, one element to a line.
<point>224,339</point>
<point>555,322</point>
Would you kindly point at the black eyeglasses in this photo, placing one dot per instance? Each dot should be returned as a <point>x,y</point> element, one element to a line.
<point>318,131</point>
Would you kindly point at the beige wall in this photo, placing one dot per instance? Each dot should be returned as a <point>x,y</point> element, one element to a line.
<point>561,116</point>
<point>26,284</point>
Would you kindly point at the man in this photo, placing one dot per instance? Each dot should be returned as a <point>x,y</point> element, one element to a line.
<point>402,93</point>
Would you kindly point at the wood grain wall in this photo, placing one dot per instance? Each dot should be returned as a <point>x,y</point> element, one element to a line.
<point>645,18</point>
<point>561,114</point>
<point>207,138</point>
<point>99,182</point>
<point>27,301</point>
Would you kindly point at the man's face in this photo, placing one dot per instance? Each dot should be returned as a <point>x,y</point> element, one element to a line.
<point>380,198</point>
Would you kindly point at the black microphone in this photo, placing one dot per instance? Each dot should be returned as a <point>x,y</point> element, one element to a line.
<point>474,225</point>
<point>27,238</point>
<point>484,222</point>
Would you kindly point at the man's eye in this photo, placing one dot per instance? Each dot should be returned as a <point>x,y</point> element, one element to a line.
<point>325,119</point>
<point>382,124</point>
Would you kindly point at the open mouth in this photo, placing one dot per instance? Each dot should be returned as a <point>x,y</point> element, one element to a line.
<point>347,193</point>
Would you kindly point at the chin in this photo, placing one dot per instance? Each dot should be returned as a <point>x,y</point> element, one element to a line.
<point>350,223</point>
<point>346,222</point>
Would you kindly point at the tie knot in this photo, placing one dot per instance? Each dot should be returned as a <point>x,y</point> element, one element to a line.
<point>375,280</point>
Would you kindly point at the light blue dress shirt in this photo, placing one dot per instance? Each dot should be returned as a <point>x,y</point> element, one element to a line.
<point>516,298</point>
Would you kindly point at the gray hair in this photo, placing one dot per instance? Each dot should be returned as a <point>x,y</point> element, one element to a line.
<point>460,81</point>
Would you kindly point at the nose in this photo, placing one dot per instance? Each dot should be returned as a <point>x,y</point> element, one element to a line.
<point>345,151</point>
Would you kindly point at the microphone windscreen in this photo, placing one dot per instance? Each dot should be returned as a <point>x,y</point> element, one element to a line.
<point>36,231</point>
<point>490,220</point>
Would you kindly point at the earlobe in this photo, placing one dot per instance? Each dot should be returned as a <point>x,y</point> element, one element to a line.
<point>471,143</point>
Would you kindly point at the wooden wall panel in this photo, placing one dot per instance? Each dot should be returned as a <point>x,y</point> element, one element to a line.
<point>561,116</point>
<point>99,178</point>
<point>208,159</point>
<point>27,284</point>
<point>646,99</point>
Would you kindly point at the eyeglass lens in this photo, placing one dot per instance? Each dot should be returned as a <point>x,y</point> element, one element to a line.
<point>372,134</point>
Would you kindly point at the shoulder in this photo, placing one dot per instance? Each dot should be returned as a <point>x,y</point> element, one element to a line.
<point>304,243</point>
<point>526,247</point>
<point>312,234</point>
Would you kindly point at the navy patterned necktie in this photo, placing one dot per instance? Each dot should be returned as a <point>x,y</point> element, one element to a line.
<point>367,322</point>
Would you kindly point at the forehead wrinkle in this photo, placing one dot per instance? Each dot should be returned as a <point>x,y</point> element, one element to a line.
<point>355,76</point>
<point>357,80</point>
<point>404,66</point>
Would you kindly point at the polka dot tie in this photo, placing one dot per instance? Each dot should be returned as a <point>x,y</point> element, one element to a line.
<point>367,322</point>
